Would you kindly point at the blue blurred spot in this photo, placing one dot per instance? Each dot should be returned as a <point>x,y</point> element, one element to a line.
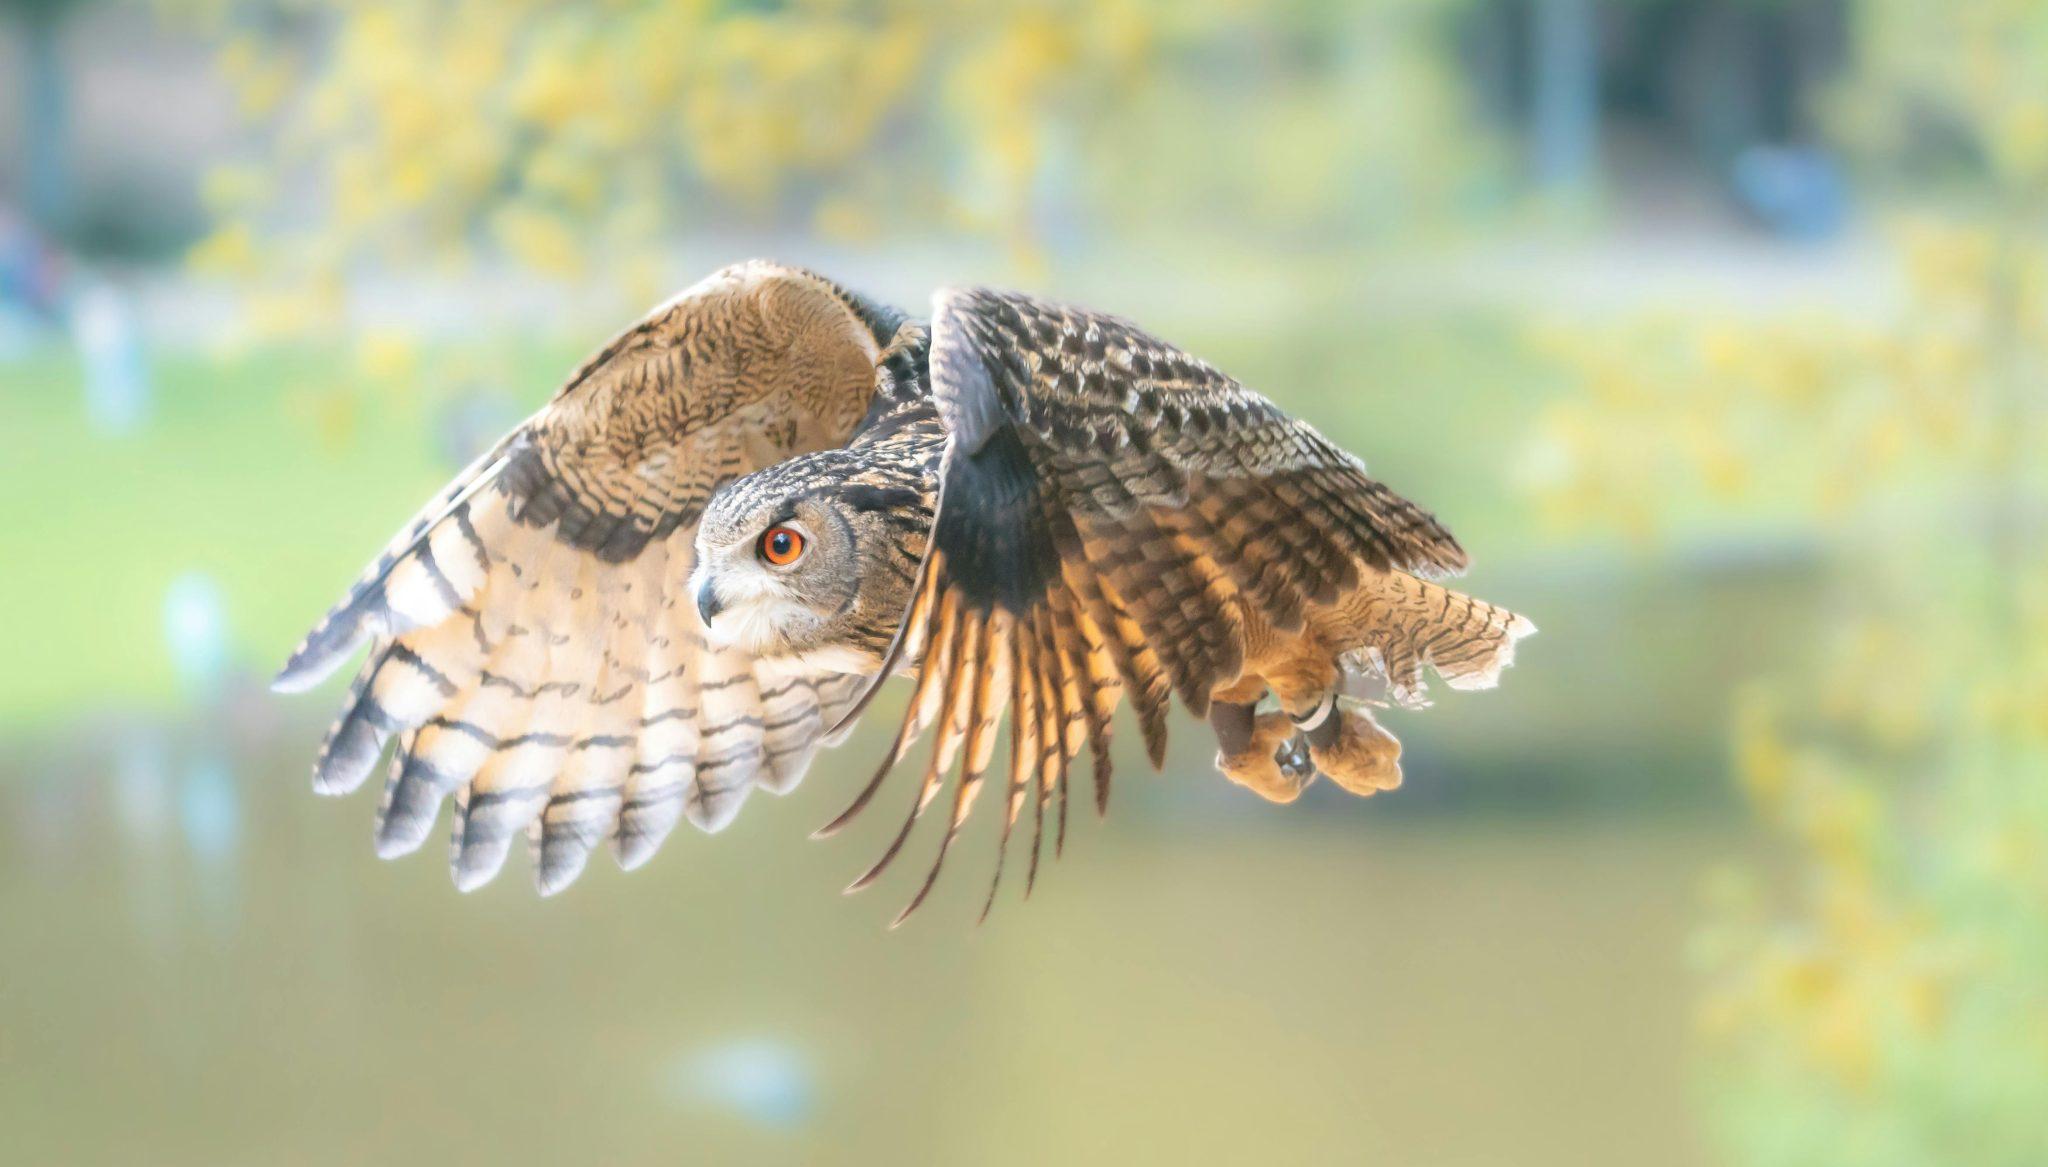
<point>110,348</point>
<point>1796,191</point>
<point>210,809</point>
<point>31,285</point>
<point>195,632</point>
<point>763,1080</point>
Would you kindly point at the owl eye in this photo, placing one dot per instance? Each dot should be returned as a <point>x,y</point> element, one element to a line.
<point>782,546</point>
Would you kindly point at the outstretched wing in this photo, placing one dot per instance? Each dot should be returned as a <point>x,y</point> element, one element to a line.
<point>1110,510</point>
<point>532,650</point>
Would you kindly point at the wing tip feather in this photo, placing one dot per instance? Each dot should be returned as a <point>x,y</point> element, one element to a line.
<point>323,651</point>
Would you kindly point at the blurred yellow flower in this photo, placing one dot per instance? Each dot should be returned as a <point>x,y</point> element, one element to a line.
<point>1895,753</point>
<point>231,250</point>
<point>538,239</point>
<point>386,357</point>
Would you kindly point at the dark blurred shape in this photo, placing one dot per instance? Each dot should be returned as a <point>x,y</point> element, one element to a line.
<point>104,187</point>
<point>31,272</point>
<point>131,210</point>
<point>1565,93</point>
<point>45,102</point>
<point>1686,84</point>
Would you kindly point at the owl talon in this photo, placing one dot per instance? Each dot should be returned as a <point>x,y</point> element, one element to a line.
<point>1275,764</point>
<point>1364,759</point>
<point>1294,759</point>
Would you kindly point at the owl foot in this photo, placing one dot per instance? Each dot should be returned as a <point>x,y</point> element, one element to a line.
<point>1272,761</point>
<point>1364,758</point>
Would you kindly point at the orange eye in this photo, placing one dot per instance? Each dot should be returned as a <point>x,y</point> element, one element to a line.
<point>782,546</point>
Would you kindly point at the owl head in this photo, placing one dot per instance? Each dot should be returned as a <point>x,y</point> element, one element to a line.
<point>813,558</point>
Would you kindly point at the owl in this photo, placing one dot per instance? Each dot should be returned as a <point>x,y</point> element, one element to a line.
<point>695,565</point>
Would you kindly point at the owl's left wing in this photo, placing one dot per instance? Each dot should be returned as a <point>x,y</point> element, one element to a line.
<point>1110,509</point>
<point>533,653</point>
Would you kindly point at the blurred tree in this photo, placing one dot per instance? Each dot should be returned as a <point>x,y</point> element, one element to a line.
<point>1565,105</point>
<point>1890,1009</point>
<point>43,104</point>
<point>574,138</point>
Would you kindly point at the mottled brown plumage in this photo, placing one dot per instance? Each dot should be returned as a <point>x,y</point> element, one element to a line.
<point>1160,530</point>
<point>1038,510</point>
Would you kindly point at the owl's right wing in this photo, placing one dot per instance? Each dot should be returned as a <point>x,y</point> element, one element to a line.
<point>533,652</point>
<point>1111,510</point>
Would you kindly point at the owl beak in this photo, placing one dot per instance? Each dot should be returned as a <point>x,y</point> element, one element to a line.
<point>708,603</point>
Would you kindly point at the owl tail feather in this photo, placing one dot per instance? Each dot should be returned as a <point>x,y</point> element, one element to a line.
<point>1404,623</point>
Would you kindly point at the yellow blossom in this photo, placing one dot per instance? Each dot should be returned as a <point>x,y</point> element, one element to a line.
<point>538,239</point>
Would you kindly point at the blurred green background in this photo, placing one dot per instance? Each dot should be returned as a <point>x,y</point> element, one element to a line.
<point>1716,328</point>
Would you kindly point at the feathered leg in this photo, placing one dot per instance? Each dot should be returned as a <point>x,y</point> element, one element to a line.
<point>1259,751</point>
<point>1361,757</point>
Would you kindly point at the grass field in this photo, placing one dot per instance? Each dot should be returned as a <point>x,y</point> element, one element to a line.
<point>235,476</point>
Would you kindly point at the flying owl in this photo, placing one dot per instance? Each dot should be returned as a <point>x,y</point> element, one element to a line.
<point>694,565</point>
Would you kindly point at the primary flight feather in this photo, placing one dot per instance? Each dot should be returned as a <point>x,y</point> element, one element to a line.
<point>690,568</point>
